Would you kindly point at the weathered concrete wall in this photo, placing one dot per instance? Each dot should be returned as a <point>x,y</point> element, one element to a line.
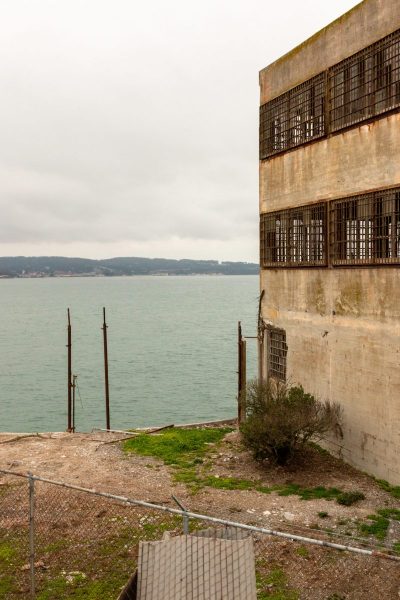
<point>355,161</point>
<point>366,23</point>
<point>343,336</point>
<point>342,324</point>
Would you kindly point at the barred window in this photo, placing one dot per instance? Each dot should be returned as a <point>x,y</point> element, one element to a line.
<point>276,353</point>
<point>294,237</point>
<point>360,87</point>
<point>294,118</point>
<point>366,229</point>
<point>366,84</point>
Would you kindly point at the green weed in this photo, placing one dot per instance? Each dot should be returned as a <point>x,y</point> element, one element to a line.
<point>379,524</point>
<point>273,586</point>
<point>394,490</point>
<point>181,447</point>
<point>302,551</point>
<point>7,552</point>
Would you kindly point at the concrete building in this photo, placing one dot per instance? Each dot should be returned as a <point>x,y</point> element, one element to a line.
<point>330,227</point>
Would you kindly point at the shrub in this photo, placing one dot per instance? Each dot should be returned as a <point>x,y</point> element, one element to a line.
<point>349,498</point>
<point>281,419</point>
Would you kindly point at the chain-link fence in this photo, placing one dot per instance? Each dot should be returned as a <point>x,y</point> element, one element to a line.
<point>62,541</point>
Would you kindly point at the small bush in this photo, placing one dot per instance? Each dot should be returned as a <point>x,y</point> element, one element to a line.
<point>281,419</point>
<point>349,498</point>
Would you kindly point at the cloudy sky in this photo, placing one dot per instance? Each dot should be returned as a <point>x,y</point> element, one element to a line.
<point>130,128</point>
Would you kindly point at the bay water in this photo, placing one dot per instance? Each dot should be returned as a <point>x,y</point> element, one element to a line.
<point>172,349</point>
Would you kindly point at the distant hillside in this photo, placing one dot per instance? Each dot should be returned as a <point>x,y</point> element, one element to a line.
<point>61,266</point>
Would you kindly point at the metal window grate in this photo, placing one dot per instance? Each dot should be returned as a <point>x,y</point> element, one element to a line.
<point>365,229</point>
<point>277,353</point>
<point>294,118</point>
<point>360,87</point>
<point>366,84</point>
<point>294,237</point>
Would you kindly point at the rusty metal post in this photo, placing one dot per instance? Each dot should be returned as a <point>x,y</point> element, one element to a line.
<point>242,398</point>
<point>32,534</point>
<point>69,384</point>
<point>74,378</point>
<point>185,518</point>
<point>241,375</point>
<point>106,383</point>
<point>239,371</point>
<point>261,336</point>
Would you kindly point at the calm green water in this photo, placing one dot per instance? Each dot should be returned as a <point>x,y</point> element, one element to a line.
<point>172,349</point>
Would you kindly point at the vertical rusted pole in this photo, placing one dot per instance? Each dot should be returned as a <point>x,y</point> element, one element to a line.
<point>107,389</point>
<point>260,329</point>
<point>241,375</point>
<point>243,378</point>
<point>69,346</point>
<point>74,378</point>
<point>239,371</point>
<point>32,534</point>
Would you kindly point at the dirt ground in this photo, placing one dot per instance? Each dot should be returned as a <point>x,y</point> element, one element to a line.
<point>89,460</point>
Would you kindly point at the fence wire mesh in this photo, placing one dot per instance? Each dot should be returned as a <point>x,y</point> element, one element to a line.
<point>89,546</point>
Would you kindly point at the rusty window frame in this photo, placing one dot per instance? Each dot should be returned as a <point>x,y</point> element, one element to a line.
<point>276,353</point>
<point>365,229</point>
<point>294,118</point>
<point>363,86</point>
<point>295,237</point>
<point>366,84</point>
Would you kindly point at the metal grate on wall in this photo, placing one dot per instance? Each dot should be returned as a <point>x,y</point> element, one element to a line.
<point>358,88</point>
<point>294,237</point>
<point>294,118</point>
<point>365,229</point>
<point>277,353</point>
<point>366,84</point>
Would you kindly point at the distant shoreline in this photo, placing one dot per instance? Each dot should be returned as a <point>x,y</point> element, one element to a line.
<point>88,276</point>
<point>44,267</point>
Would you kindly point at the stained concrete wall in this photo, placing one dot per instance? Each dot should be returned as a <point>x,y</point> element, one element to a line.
<point>355,161</point>
<point>343,330</point>
<point>363,25</point>
<point>342,324</point>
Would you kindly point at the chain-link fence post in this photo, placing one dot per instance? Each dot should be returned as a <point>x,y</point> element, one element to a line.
<point>185,516</point>
<point>32,533</point>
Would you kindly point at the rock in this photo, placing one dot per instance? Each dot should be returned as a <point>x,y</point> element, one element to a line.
<point>289,516</point>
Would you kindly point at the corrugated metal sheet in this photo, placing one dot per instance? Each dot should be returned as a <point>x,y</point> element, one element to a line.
<point>196,568</point>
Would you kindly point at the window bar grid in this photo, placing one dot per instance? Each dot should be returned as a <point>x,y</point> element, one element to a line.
<point>293,118</point>
<point>358,88</point>
<point>365,229</point>
<point>366,84</point>
<point>277,353</point>
<point>294,237</point>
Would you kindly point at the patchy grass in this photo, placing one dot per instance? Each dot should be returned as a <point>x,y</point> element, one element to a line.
<point>7,552</point>
<point>191,478</point>
<point>394,490</point>
<point>13,555</point>
<point>323,514</point>
<point>379,523</point>
<point>186,449</point>
<point>181,447</point>
<point>76,586</point>
<point>303,552</point>
<point>272,585</point>
<point>6,586</point>
<point>316,493</point>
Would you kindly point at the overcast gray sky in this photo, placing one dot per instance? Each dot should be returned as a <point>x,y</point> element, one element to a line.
<point>130,128</point>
